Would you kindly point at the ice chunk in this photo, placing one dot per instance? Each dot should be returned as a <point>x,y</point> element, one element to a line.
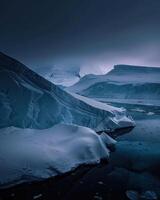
<point>29,154</point>
<point>110,142</point>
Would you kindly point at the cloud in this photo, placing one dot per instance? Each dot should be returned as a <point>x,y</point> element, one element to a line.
<point>92,34</point>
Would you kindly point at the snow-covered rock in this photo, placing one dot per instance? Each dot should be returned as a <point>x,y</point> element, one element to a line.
<point>135,83</point>
<point>27,100</point>
<point>64,75</point>
<point>28,154</point>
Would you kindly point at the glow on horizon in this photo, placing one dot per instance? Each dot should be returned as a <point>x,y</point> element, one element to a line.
<point>97,67</point>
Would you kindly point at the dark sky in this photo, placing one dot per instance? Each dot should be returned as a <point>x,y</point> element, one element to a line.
<point>89,33</point>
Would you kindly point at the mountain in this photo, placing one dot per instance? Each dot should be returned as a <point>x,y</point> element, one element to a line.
<point>27,100</point>
<point>136,83</point>
<point>137,74</point>
<point>64,76</point>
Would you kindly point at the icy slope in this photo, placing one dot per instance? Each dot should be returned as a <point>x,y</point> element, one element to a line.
<point>85,82</point>
<point>123,82</point>
<point>28,154</point>
<point>64,75</point>
<point>29,101</point>
<point>123,91</point>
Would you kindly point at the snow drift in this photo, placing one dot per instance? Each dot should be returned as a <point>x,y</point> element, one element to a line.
<point>28,154</point>
<point>29,101</point>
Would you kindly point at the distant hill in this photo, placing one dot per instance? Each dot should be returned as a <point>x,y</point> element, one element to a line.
<point>123,82</point>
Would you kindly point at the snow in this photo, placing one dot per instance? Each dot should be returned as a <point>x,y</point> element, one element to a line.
<point>67,75</point>
<point>85,82</point>
<point>30,101</point>
<point>124,82</point>
<point>147,102</point>
<point>29,154</point>
<point>110,142</point>
<point>125,91</point>
<point>63,75</point>
<point>45,131</point>
<point>121,119</point>
<point>96,104</point>
<point>135,74</point>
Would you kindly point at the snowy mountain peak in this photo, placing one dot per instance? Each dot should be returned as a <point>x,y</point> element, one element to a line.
<point>64,75</point>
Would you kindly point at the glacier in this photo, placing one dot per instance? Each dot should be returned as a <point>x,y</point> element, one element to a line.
<point>46,131</point>
<point>125,83</point>
<point>30,101</point>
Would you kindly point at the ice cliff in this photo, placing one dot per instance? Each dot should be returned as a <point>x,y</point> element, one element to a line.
<point>27,100</point>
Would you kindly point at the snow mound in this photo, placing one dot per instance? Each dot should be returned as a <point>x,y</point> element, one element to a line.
<point>27,100</point>
<point>29,155</point>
